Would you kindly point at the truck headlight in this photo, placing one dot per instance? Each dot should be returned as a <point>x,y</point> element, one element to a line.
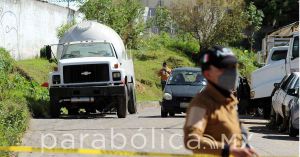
<point>116,76</point>
<point>56,79</point>
<point>167,96</point>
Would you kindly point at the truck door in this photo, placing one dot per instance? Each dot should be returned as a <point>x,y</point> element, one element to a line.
<point>294,55</point>
<point>127,63</point>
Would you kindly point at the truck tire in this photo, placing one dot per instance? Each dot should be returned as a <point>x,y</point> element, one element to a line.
<point>54,107</point>
<point>122,105</point>
<point>132,99</point>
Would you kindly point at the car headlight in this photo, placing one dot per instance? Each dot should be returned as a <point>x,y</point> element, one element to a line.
<point>56,79</point>
<point>167,96</point>
<point>252,94</point>
<point>204,83</point>
<point>116,76</point>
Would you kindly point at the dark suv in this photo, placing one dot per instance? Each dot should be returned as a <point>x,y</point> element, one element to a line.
<point>181,87</point>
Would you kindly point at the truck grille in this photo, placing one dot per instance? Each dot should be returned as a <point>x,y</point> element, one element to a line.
<point>184,99</point>
<point>86,73</point>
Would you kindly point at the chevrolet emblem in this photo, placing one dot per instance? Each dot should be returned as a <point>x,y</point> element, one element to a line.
<point>86,73</point>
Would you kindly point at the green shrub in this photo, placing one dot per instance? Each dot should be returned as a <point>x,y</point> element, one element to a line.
<point>6,62</point>
<point>18,97</point>
<point>43,52</point>
<point>247,62</point>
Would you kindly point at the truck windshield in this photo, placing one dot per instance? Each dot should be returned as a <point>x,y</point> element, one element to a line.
<point>87,50</point>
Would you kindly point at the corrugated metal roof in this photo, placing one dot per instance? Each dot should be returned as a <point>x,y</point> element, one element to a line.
<point>286,30</point>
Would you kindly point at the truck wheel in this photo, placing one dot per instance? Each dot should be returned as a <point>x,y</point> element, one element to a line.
<point>122,105</point>
<point>54,107</point>
<point>132,99</point>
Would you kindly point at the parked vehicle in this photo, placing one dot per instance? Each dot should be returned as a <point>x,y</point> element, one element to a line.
<point>284,96</point>
<point>280,62</point>
<point>182,85</point>
<point>294,115</point>
<point>94,72</point>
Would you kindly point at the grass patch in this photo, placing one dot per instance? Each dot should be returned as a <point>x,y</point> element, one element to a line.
<point>38,69</point>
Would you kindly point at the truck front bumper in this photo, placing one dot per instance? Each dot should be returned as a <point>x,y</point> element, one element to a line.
<point>87,91</point>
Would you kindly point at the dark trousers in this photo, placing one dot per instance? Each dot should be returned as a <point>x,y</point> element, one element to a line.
<point>163,84</point>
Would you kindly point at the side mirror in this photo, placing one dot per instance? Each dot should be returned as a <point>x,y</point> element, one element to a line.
<point>48,52</point>
<point>276,85</point>
<point>293,92</point>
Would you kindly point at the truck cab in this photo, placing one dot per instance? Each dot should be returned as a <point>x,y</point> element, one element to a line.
<point>93,72</point>
<point>281,61</point>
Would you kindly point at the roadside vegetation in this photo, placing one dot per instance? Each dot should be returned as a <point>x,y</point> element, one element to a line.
<point>18,100</point>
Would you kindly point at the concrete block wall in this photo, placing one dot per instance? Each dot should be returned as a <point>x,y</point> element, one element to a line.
<point>27,25</point>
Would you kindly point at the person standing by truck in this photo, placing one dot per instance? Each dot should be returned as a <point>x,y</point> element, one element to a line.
<point>164,74</point>
<point>212,125</point>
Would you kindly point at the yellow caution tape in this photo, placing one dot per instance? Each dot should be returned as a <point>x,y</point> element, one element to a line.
<point>92,152</point>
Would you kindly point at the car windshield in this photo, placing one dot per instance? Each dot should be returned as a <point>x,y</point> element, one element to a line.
<point>186,78</point>
<point>87,50</point>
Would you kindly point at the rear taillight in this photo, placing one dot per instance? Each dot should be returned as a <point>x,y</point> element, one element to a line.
<point>45,84</point>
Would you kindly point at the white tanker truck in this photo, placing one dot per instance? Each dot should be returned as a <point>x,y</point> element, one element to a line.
<point>94,72</point>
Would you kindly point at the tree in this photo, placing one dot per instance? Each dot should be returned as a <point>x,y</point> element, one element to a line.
<point>162,19</point>
<point>124,16</point>
<point>255,19</point>
<point>277,13</point>
<point>211,22</point>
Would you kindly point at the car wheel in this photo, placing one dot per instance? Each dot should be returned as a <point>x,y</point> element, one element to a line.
<point>164,113</point>
<point>172,114</point>
<point>293,132</point>
<point>267,108</point>
<point>132,99</point>
<point>122,105</point>
<point>54,107</point>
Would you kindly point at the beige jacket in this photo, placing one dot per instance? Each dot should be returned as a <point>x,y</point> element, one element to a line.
<point>211,122</point>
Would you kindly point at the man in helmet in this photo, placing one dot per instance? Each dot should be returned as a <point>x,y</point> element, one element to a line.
<point>212,125</point>
<point>164,74</point>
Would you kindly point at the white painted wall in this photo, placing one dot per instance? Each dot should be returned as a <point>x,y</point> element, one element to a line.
<point>27,25</point>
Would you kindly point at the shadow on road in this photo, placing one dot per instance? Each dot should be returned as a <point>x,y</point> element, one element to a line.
<point>256,123</point>
<point>281,137</point>
<point>82,116</point>
<point>262,130</point>
<point>157,116</point>
<point>89,116</point>
<point>271,134</point>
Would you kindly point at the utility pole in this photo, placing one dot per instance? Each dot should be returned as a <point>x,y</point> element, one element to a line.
<point>69,12</point>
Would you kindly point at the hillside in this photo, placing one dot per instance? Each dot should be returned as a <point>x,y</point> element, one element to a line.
<point>146,64</point>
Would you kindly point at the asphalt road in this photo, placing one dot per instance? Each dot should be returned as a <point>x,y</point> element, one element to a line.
<point>145,131</point>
